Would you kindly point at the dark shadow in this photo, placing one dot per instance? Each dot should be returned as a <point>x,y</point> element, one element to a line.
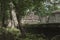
<point>49,30</point>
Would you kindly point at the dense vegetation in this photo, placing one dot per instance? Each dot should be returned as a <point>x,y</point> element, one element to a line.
<point>22,8</point>
<point>14,34</point>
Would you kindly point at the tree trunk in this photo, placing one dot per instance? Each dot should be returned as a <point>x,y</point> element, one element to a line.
<point>18,19</point>
<point>48,17</point>
<point>11,18</point>
<point>3,11</point>
<point>20,27</point>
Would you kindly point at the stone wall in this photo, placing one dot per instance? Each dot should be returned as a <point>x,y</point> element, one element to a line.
<point>55,18</point>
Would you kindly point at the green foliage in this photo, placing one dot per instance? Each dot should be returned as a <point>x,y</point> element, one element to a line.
<point>44,9</point>
<point>14,34</point>
<point>9,34</point>
<point>23,5</point>
<point>32,5</point>
<point>38,6</point>
<point>34,37</point>
<point>5,35</point>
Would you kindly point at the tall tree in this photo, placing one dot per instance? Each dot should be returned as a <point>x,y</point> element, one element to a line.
<point>18,15</point>
<point>4,13</point>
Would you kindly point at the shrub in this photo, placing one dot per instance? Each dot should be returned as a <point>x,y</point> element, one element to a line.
<point>14,34</point>
<point>10,34</point>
